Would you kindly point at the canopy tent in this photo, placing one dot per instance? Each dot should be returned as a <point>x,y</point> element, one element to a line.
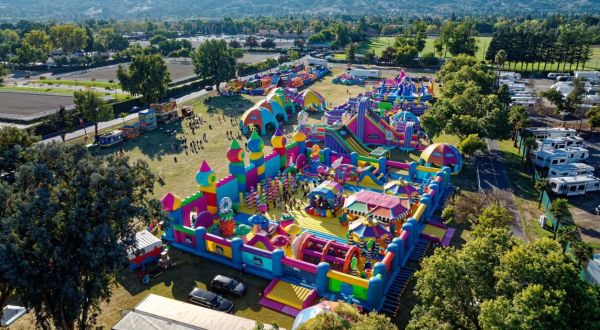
<point>366,228</point>
<point>310,98</point>
<point>400,188</point>
<point>442,154</point>
<point>330,191</point>
<point>380,206</point>
<point>259,117</point>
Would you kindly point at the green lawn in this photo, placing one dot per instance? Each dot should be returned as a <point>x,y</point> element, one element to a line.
<point>62,91</point>
<point>190,271</point>
<point>82,83</point>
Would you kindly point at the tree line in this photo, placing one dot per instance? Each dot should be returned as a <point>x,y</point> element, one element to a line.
<point>537,43</point>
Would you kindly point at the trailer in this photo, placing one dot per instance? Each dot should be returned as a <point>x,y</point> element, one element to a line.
<point>588,75</point>
<point>364,73</point>
<point>547,158</point>
<point>574,185</point>
<point>555,143</point>
<point>570,169</point>
<point>550,132</point>
<point>317,61</point>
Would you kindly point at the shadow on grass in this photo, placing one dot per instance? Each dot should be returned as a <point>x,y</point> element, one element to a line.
<point>192,271</point>
<point>156,144</point>
<point>519,176</point>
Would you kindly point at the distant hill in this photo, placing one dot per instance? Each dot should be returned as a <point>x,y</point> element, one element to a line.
<point>168,9</point>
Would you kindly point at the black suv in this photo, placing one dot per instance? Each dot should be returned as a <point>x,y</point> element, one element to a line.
<point>225,284</point>
<point>210,300</point>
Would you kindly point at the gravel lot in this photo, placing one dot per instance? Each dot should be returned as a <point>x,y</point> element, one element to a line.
<point>15,105</point>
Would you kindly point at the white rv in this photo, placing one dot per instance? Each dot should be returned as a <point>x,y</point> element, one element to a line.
<point>551,132</point>
<point>365,73</point>
<point>555,143</point>
<point>316,61</point>
<point>547,158</point>
<point>574,185</point>
<point>571,169</point>
<point>588,75</point>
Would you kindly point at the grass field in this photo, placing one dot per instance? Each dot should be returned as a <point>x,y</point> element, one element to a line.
<point>378,44</point>
<point>82,83</point>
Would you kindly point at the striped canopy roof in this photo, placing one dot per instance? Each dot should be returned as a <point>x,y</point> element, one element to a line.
<point>328,189</point>
<point>365,228</point>
<point>441,154</point>
<point>380,206</point>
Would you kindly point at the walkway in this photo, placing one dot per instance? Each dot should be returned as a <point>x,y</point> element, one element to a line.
<point>492,176</point>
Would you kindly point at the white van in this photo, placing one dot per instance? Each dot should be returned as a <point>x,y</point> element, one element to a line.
<point>566,78</point>
<point>554,75</point>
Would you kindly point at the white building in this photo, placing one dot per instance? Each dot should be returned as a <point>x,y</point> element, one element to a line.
<point>574,185</point>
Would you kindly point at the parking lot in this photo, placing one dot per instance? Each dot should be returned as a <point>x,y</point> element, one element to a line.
<point>26,106</point>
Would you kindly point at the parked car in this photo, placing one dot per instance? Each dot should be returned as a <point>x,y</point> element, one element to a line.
<point>209,88</point>
<point>226,284</point>
<point>597,210</point>
<point>135,109</point>
<point>210,300</point>
<point>564,78</point>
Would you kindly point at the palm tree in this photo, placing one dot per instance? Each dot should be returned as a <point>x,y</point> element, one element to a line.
<point>541,185</point>
<point>566,235</point>
<point>583,251</point>
<point>560,211</point>
<point>530,143</point>
<point>518,119</point>
<point>500,58</point>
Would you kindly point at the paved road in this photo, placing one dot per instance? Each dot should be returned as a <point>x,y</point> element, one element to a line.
<point>492,176</point>
<point>115,122</point>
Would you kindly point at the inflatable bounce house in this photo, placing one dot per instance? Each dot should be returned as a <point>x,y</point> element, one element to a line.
<point>288,77</point>
<point>268,113</point>
<point>310,101</point>
<point>349,80</point>
<point>442,155</point>
<point>355,245</point>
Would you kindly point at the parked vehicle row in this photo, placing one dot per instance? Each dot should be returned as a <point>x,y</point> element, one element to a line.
<point>212,300</point>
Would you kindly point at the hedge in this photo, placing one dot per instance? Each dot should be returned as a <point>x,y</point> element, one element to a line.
<point>67,69</point>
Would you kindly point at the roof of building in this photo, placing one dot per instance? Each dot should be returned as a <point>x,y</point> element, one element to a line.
<point>156,312</point>
<point>574,179</point>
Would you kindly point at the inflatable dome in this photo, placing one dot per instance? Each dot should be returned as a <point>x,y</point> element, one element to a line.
<point>260,117</point>
<point>440,155</point>
<point>310,99</point>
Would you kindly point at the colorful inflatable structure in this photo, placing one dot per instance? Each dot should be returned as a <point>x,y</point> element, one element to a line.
<point>231,220</point>
<point>349,80</point>
<point>268,113</point>
<point>442,155</point>
<point>288,77</point>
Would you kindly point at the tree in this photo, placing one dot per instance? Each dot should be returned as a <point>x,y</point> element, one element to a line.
<point>370,57</point>
<point>494,216</point>
<point>292,55</point>
<point>213,60</point>
<point>556,98</point>
<point>268,43</point>
<point>500,58</point>
<point>92,107</point>
<point>471,144</point>
<point>38,39</point>
<point>406,55</point>
<point>466,208</point>
<point>593,115</point>
<point>61,267</point>
<point>251,42</point>
<point>4,72</point>
<point>14,147</point>
<point>566,235</point>
<point>27,54</point>
<point>346,317</point>
<point>583,252</point>
<point>560,211</point>
<point>233,43</point>
<point>300,43</point>
<point>351,52</point>
<point>63,122</point>
<point>147,76</point>
<point>388,55</point>
<point>518,118</point>
<point>69,37</point>
<point>541,185</point>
